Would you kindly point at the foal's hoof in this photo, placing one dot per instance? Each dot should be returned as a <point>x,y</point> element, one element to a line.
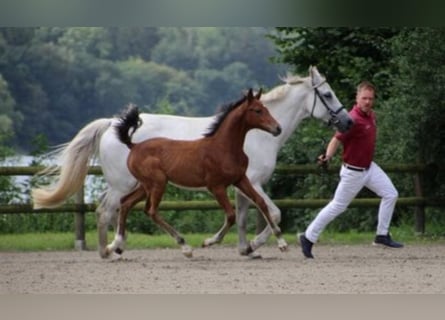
<point>208,242</point>
<point>187,251</point>
<point>107,252</point>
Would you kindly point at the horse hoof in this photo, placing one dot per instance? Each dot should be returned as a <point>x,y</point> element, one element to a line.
<point>245,251</point>
<point>116,256</point>
<point>187,251</point>
<point>282,245</point>
<point>104,253</point>
<point>254,255</point>
<point>107,252</point>
<point>207,243</point>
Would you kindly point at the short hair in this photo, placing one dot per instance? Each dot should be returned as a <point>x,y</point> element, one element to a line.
<point>365,85</point>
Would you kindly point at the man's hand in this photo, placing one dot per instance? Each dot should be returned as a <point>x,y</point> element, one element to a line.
<point>323,160</point>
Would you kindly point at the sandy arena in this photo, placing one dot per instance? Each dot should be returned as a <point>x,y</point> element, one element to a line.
<point>335,269</point>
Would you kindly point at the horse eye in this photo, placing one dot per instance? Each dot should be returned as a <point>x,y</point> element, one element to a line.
<point>327,95</point>
<point>258,111</point>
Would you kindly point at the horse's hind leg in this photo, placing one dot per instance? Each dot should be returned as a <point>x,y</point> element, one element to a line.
<point>221,196</point>
<point>107,214</point>
<point>127,202</point>
<point>151,209</point>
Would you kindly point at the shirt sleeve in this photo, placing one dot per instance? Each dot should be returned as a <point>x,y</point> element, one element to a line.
<point>342,136</point>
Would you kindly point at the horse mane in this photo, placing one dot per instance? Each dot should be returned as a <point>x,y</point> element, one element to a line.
<point>224,111</point>
<point>281,91</point>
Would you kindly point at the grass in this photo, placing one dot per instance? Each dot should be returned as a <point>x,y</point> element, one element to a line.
<point>65,241</point>
<point>51,241</point>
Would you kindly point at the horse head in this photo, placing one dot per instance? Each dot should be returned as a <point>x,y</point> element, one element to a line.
<point>258,116</point>
<point>326,105</point>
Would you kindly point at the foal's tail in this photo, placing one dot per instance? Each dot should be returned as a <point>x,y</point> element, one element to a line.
<point>74,158</point>
<point>128,120</point>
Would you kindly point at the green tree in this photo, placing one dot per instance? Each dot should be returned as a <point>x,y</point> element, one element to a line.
<point>417,102</point>
<point>132,42</point>
<point>148,83</point>
<point>8,114</point>
<point>345,55</point>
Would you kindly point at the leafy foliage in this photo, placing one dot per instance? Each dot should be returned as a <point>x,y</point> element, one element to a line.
<point>55,80</point>
<point>345,55</point>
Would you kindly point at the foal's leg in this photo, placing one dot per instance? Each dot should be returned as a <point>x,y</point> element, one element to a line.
<point>151,209</point>
<point>221,196</point>
<point>127,202</point>
<point>246,188</point>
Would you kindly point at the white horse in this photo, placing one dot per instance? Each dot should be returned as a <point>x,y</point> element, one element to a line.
<point>298,98</point>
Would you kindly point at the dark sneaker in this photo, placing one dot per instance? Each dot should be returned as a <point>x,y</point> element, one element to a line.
<point>306,246</point>
<point>387,241</point>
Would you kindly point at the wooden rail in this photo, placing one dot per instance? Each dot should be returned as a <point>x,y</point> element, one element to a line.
<point>280,169</point>
<point>79,208</point>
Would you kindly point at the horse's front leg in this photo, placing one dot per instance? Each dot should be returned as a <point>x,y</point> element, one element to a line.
<point>242,202</point>
<point>247,189</point>
<point>221,196</point>
<point>242,206</point>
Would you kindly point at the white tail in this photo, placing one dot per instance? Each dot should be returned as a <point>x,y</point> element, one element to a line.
<point>74,158</point>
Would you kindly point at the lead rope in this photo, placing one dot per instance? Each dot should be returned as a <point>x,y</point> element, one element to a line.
<point>323,168</point>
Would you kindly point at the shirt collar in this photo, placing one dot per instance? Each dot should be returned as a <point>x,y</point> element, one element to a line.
<point>363,114</point>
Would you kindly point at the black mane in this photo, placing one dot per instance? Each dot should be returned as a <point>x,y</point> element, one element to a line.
<point>222,115</point>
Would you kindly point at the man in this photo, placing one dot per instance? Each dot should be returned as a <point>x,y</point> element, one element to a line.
<point>358,171</point>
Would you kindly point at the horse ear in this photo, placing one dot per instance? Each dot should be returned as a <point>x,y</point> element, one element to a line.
<point>250,95</point>
<point>258,95</point>
<point>315,75</point>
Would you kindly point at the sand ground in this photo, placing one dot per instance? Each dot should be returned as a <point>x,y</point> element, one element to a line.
<point>335,269</point>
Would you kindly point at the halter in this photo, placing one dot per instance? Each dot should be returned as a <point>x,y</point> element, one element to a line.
<point>332,113</point>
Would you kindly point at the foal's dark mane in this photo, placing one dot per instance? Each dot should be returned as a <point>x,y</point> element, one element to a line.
<point>222,115</point>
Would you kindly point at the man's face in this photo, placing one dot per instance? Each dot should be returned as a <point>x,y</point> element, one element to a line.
<point>365,99</point>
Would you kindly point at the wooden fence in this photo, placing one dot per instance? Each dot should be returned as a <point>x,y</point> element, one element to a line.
<point>79,208</point>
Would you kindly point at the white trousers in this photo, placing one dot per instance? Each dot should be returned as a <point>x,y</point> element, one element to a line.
<point>351,182</point>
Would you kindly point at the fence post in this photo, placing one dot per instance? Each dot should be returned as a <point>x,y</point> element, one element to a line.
<point>420,209</point>
<point>79,222</point>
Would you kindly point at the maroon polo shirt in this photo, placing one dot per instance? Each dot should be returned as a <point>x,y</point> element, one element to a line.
<point>359,141</point>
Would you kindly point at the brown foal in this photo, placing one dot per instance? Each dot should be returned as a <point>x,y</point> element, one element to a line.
<point>213,162</point>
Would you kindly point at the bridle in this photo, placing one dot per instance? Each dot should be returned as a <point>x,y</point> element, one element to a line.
<point>334,120</point>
